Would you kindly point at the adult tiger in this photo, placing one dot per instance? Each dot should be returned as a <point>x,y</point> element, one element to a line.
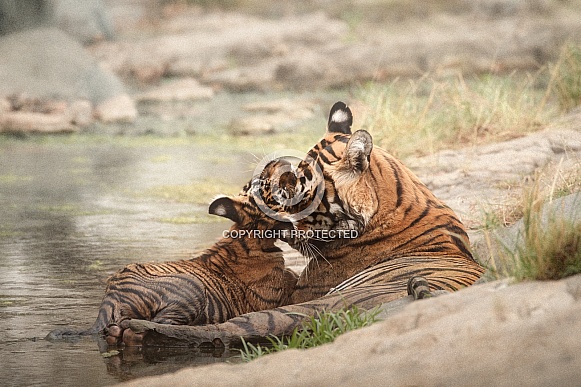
<point>403,231</point>
<point>239,274</point>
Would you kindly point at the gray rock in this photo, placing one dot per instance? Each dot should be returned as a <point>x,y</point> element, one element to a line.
<point>86,21</point>
<point>221,47</point>
<point>30,122</point>
<point>307,69</point>
<point>186,89</point>
<point>305,51</point>
<point>272,116</point>
<point>5,105</point>
<point>47,64</point>
<point>20,113</point>
<point>81,113</point>
<point>119,108</point>
<point>16,15</point>
<point>475,179</point>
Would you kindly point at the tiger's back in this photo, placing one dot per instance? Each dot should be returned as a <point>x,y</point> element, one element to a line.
<point>397,221</point>
<point>207,289</point>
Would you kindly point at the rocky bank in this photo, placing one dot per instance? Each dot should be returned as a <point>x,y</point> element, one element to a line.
<point>337,44</point>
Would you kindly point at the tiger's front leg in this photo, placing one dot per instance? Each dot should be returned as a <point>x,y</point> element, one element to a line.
<point>257,325</point>
<point>283,320</point>
<point>118,333</point>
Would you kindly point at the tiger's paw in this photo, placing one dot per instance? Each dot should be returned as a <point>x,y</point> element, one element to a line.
<point>114,334</point>
<point>121,334</point>
<point>132,339</point>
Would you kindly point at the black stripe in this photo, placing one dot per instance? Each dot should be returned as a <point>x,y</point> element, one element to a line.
<point>396,176</point>
<point>331,151</point>
<point>324,158</point>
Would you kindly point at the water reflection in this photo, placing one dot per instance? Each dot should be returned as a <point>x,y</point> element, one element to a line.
<point>70,215</point>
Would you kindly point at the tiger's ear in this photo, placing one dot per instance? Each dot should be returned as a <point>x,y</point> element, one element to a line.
<point>340,119</point>
<point>358,151</point>
<point>226,207</point>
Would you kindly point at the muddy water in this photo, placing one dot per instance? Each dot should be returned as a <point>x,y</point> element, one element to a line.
<point>74,211</point>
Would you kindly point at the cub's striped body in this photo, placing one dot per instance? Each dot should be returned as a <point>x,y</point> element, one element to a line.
<point>235,276</point>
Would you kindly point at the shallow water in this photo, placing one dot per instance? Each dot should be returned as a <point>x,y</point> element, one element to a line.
<point>71,214</point>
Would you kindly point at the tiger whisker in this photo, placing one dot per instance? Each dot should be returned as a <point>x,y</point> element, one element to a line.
<point>321,239</point>
<point>319,253</point>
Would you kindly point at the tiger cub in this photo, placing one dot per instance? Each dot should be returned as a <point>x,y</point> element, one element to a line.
<point>235,276</point>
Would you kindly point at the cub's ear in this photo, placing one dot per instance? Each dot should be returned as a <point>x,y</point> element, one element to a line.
<point>340,119</point>
<point>225,207</point>
<point>358,151</point>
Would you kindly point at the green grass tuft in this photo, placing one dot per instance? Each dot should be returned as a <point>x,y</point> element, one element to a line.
<point>550,249</point>
<point>322,329</point>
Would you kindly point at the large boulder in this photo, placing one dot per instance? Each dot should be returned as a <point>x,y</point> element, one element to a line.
<point>84,20</point>
<point>47,64</point>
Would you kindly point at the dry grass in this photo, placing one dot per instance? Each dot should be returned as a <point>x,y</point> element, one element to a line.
<point>422,116</point>
<point>548,246</point>
<point>426,115</point>
<point>567,77</point>
<point>550,182</point>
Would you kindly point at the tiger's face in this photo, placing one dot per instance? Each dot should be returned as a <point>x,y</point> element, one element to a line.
<point>326,192</point>
<point>348,202</point>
